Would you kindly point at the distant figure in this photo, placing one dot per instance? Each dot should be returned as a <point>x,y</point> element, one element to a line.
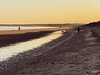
<point>62,31</point>
<point>78,29</point>
<point>18,28</point>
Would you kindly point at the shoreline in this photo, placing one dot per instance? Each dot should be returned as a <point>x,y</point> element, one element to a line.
<point>12,37</point>
<point>6,40</point>
<point>8,32</point>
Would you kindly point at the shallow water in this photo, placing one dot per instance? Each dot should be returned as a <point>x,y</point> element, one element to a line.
<point>22,28</point>
<point>9,51</point>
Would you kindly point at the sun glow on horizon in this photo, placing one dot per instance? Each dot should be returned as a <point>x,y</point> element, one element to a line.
<point>48,11</point>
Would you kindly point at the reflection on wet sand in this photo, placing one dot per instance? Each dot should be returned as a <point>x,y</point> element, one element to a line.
<point>9,51</point>
<point>22,28</point>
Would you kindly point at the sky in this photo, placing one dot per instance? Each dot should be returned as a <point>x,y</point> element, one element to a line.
<point>49,11</point>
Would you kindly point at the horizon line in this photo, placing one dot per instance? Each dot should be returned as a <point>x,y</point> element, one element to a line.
<point>45,23</point>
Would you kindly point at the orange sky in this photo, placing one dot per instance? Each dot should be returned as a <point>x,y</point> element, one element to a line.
<point>48,11</point>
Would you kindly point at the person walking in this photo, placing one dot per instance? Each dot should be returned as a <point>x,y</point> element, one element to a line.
<point>78,30</point>
<point>18,28</point>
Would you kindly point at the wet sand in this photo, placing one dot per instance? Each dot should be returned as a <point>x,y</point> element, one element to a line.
<point>14,38</point>
<point>80,55</point>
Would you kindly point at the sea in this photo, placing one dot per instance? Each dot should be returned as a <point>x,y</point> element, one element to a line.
<point>21,28</point>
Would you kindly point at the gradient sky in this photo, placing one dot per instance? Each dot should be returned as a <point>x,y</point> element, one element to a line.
<point>49,11</point>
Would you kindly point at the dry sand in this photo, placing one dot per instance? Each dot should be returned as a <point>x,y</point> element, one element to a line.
<point>96,31</point>
<point>78,56</point>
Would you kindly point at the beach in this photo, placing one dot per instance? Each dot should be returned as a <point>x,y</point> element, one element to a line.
<point>79,55</point>
<point>49,37</point>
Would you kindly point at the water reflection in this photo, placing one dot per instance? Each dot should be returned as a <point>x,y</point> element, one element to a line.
<point>6,52</point>
<point>22,28</point>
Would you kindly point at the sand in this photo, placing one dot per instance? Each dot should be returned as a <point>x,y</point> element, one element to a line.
<point>76,56</point>
<point>96,31</point>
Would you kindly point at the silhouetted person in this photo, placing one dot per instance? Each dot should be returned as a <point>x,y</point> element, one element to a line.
<point>62,31</point>
<point>18,28</point>
<point>78,29</point>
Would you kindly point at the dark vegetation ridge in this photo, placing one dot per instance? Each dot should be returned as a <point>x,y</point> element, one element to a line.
<point>93,24</point>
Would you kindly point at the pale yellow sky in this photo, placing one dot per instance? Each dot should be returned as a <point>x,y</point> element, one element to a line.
<point>48,11</point>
